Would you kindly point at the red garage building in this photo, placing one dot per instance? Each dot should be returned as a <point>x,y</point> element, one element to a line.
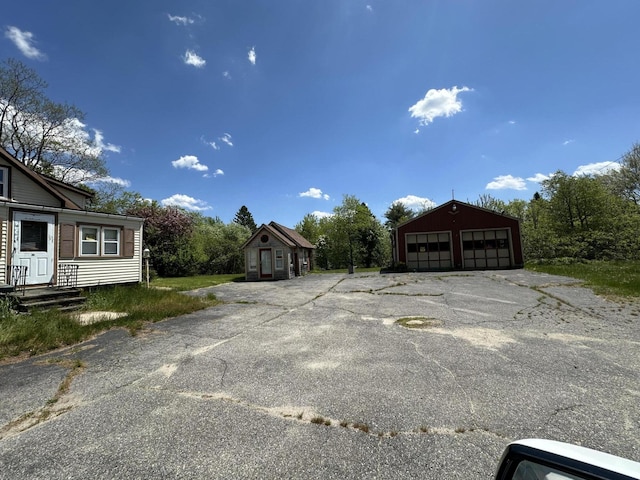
<point>457,236</point>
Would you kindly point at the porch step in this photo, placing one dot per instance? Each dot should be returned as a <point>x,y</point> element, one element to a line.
<point>48,299</point>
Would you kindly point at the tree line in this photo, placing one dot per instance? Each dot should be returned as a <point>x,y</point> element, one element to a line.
<point>589,217</point>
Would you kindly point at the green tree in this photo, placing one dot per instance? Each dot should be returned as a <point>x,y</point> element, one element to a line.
<point>625,182</point>
<point>396,214</point>
<point>46,136</point>
<point>114,198</point>
<point>243,217</point>
<point>219,246</point>
<point>309,228</point>
<point>351,236</point>
<point>167,234</point>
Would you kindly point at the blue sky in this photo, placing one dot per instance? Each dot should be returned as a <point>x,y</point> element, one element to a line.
<point>286,105</point>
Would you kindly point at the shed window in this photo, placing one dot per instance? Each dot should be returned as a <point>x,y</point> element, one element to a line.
<point>253,259</point>
<point>279,259</point>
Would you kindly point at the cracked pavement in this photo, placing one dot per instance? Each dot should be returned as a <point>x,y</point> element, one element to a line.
<point>312,378</point>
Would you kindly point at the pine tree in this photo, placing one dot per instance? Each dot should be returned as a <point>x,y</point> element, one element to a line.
<point>243,217</point>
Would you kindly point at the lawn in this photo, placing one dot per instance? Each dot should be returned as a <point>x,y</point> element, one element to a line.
<point>41,331</point>
<point>605,278</point>
<point>183,284</point>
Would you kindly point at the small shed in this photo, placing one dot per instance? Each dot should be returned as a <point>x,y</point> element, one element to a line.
<point>459,236</point>
<point>275,252</point>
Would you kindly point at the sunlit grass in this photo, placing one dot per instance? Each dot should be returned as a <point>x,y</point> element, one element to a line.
<point>42,331</point>
<point>195,282</point>
<point>605,278</point>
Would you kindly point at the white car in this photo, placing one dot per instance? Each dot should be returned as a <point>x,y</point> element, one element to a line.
<point>537,459</point>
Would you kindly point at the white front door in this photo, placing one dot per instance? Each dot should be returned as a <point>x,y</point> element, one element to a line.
<point>33,245</point>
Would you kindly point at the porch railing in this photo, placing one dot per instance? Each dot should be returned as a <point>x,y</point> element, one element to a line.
<point>17,277</point>
<point>67,275</point>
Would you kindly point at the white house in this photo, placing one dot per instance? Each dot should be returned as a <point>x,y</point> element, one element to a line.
<point>45,226</point>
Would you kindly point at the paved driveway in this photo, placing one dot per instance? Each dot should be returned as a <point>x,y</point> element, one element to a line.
<point>313,378</point>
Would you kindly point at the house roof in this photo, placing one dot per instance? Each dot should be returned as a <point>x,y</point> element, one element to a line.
<point>294,236</point>
<point>41,180</point>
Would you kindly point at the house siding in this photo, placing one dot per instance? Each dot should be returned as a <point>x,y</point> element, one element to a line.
<point>4,239</point>
<point>95,271</point>
<point>23,191</point>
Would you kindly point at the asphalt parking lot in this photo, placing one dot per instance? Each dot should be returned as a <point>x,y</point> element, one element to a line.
<point>315,378</point>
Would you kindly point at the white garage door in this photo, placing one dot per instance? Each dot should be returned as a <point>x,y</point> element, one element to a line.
<point>428,251</point>
<point>486,249</point>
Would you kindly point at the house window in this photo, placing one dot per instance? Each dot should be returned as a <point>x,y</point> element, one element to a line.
<point>110,241</point>
<point>4,182</point>
<point>253,259</point>
<point>279,259</point>
<point>100,241</point>
<point>89,240</point>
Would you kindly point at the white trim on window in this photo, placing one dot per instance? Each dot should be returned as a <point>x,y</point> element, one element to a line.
<point>100,241</point>
<point>89,240</point>
<point>110,241</point>
<point>4,182</point>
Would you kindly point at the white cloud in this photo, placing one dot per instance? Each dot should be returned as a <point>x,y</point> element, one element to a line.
<point>512,122</point>
<point>507,182</point>
<point>214,174</point>
<point>252,55</point>
<point>180,20</point>
<point>226,138</point>
<point>190,162</point>
<point>567,142</point>
<point>99,141</point>
<point>226,74</point>
<point>539,177</point>
<point>314,193</point>
<point>438,103</point>
<point>369,8</point>
<point>414,202</point>
<point>25,43</point>
<point>192,58</point>
<point>599,168</point>
<point>318,214</point>
<point>115,180</point>
<point>186,202</point>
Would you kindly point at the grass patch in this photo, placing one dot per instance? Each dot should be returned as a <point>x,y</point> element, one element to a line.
<point>345,270</point>
<point>605,278</point>
<point>41,331</point>
<point>418,322</point>
<point>182,284</point>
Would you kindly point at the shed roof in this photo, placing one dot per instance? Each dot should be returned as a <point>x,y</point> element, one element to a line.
<point>294,236</point>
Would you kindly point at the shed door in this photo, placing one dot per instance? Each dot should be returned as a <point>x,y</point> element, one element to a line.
<point>486,249</point>
<point>33,245</point>
<point>266,266</point>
